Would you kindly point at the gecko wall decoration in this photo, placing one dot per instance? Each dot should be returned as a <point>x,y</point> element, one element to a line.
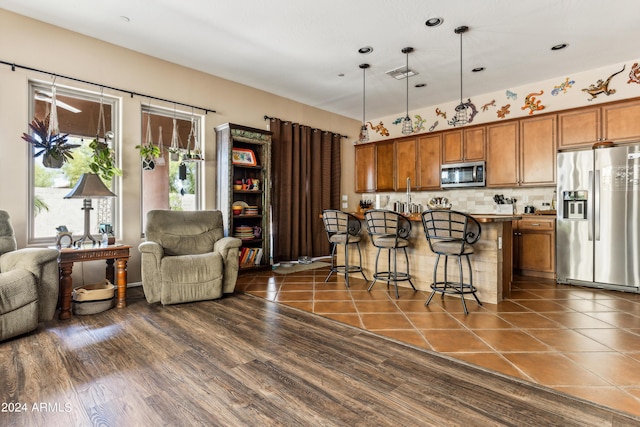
<point>602,86</point>
<point>379,128</point>
<point>433,126</point>
<point>486,106</point>
<point>562,87</point>
<point>532,103</point>
<point>511,95</point>
<point>634,74</point>
<point>418,125</point>
<point>441,113</point>
<point>503,111</point>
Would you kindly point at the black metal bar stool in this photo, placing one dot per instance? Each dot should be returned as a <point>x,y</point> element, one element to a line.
<point>343,229</point>
<point>389,231</point>
<point>451,233</point>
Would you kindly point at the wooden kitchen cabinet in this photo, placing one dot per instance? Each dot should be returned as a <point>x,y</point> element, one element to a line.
<point>538,151</point>
<point>621,122</point>
<point>617,122</point>
<point>406,160</point>
<point>385,165</point>
<point>429,155</point>
<point>502,154</point>
<point>365,168</point>
<point>534,252</point>
<point>579,128</point>
<point>465,145</point>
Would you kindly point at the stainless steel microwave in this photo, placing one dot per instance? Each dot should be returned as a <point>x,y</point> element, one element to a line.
<point>469,174</point>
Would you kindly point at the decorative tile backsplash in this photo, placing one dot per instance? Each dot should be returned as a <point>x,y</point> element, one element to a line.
<point>475,200</point>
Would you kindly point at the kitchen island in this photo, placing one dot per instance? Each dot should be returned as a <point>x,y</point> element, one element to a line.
<point>492,261</point>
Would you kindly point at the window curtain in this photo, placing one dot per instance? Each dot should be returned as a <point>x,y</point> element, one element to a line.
<point>306,180</point>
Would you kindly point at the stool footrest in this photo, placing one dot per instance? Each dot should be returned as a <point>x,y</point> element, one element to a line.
<point>390,276</point>
<point>453,288</point>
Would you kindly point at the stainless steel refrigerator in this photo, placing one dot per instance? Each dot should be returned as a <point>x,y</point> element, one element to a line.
<point>598,218</point>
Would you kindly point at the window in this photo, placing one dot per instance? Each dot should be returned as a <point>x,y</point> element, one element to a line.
<point>174,183</point>
<point>78,112</point>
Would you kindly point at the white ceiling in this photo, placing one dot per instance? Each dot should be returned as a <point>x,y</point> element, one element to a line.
<point>300,48</point>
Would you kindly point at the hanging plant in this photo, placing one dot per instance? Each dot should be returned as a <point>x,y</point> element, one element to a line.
<point>195,155</point>
<point>103,161</point>
<point>149,152</point>
<point>53,146</point>
<point>174,148</point>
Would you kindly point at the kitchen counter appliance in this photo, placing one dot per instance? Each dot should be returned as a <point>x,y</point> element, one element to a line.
<point>598,218</point>
<point>469,174</point>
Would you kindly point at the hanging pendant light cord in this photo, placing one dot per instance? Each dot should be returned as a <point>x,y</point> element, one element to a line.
<point>461,67</point>
<point>364,77</point>
<point>407,116</point>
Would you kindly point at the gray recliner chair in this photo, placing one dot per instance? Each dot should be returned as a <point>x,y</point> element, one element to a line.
<point>186,257</point>
<point>28,283</point>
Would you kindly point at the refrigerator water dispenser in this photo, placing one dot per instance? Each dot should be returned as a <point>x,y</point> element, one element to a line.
<point>575,204</point>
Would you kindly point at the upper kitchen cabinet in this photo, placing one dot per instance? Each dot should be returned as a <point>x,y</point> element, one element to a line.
<point>465,145</point>
<point>616,122</point>
<point>365,168</point>
<point>429,155</point>
<point>621,121</point>
<point>538,151</point>
<point>502,155</point>
<point>385,162</point>
<point>578,128</point>
<point>406,160</point>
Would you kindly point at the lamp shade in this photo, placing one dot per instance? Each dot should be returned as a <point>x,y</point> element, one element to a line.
<point>89,186</point>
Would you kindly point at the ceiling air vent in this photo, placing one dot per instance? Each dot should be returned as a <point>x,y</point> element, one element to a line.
<point>401,73</point>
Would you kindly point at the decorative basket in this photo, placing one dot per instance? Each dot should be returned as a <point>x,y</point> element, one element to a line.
<point>94,298</point>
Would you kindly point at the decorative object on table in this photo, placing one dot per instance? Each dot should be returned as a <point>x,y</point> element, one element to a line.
<point>106,230</point>
<point>63,235</point>
<point>439,203</point>
<point>88,186</point>
<point>47,140</point>
<point>149,152</point>
<point>243,156</point>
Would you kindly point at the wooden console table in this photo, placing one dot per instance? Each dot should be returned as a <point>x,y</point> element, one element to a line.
<point>118,254</point>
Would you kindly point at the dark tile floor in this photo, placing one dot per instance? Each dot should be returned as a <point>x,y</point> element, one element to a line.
<point>584,342</point>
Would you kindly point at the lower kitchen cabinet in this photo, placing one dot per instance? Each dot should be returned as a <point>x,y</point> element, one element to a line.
<point>534,246</point>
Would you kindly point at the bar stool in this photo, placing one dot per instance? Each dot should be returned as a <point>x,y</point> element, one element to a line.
<point>343,229</point>
<point>451,233</point>
<point>389,231</point>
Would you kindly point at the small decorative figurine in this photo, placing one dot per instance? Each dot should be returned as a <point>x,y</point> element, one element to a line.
<point>504,111</point>
<point>562,87</point>
<point>379,128</point>
<point>532,103</point>
<point>486,106</point>
<point>634,74</point>
<point>441,113</point>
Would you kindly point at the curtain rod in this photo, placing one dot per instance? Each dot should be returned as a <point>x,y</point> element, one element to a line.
<point>273,118</point>
<point>132,93</point>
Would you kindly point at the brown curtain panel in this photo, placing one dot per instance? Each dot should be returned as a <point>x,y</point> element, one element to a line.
<point>306,180</point>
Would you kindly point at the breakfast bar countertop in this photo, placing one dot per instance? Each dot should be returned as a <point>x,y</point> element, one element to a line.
<point>483,218</point>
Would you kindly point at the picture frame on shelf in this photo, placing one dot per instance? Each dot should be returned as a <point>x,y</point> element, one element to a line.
<point>243,156</point>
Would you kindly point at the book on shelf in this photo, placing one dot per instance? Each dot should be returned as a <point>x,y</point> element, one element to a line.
<point>250,256</point>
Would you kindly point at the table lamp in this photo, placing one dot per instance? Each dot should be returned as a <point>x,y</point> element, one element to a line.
<point>88,186</point>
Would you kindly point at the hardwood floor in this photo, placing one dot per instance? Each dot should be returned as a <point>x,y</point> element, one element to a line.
<point>244,360</point>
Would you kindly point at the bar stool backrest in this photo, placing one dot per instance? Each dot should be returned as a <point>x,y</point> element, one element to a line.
<point>385,224</point>
<point>451,227</point>
<point>338,222</point>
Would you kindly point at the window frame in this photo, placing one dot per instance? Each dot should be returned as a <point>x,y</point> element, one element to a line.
<point>116,111</point>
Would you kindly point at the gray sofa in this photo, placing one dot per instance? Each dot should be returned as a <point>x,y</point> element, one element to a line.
<point>28,284</point>
<point>186,257</point>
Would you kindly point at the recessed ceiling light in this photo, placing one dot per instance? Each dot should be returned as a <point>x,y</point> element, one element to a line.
<point>478,69</point>
<point>421,85</point>
<point>434,22</point>
<point>365,50</point>
<point>341,75</point>
<point>124,18</point>
<point>559,46</point>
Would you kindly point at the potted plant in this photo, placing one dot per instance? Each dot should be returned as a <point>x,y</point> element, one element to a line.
<point>103,160</point>
<point>53,146</point>
<point>149,153</point>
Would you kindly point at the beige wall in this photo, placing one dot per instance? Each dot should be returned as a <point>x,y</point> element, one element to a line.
<point>42,46</point>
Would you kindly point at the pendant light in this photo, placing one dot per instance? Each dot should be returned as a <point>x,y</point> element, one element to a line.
<point>460,118</point>
<point>364,133</point>
<point>407,127</point>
